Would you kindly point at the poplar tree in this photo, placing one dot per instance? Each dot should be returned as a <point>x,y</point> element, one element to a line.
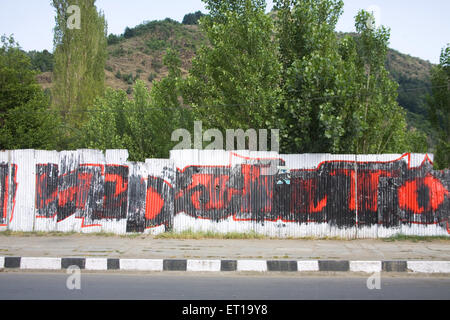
<point>80,57</point>
<point>234,81</point>
<point>338,95</point>
<point>382,121</point>
<point>313,75</point>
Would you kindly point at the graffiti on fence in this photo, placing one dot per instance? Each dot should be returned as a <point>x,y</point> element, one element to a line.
<point>342,194</point>
<point>8,188</point>
<point>90,192</point>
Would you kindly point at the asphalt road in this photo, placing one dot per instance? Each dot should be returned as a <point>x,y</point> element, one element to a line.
<point>183,286</point>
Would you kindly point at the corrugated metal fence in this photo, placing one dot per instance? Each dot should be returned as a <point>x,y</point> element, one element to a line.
<point>319,195</point>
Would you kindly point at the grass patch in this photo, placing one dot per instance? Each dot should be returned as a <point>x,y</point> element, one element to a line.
<point>53,234</point>
<point>35,233</point>
<point>323,238</point>
<point>100,234</point>
<point>402,237</point>
<point>188,234</point>
<point>133,235</point>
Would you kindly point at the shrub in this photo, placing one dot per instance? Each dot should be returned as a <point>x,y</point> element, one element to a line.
<point>42,61</point>
<point>129,33</point>
<point>113,39</point>
<point>119,52</point>
<point>155,44</point>
<point>156,65</point>
<point>128,78</point>
<point>192,18</point>
<point>151,77</point>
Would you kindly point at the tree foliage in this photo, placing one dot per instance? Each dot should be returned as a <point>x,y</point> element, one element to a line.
<point>129,33</point>
<point>312,77</point>
<point>80,57</point>
<point>337,94</point>
<point>192,18</point>
<point>382,121</point>
<point>144,124</point>
<point>41,60</point>
<point>288,70</point>
<point>234,81</point>
<point>439,107</point>
<point>25,118</point>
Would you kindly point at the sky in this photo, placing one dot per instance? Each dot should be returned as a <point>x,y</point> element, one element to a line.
<point>419,28</point>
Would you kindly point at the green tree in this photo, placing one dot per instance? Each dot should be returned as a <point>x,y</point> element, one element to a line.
<point>129,33</point>
<point>107,127</point>
<point>25,119</point>
<point>439,107</point>
<point>143,124</point>
<point>383,126</point>
<point>314,77</point>
<point>80,57</point>
<point>234,81</point>
<point>113,39</point>
<point>42,61</point>
<point>119,122</point>
<point>166,99</point>
<point>337,94</point>
<point>192,18</point>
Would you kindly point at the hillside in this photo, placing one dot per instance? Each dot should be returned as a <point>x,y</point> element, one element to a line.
<point>413,77</point>
<point>141,55</point>
<point>138,54</point>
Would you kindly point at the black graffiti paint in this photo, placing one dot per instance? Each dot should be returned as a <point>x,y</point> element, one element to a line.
<point>423,197</point>
<point>340,193</point>
<point>344,194</point>
<point>151,204</point>
<point>8,188</point>
<point>159,204</point>
<point>4,193</point>
<point>77,190</point>
<point>137,187</point>
<point>209,192</point>
<point>46,190</point>
<point>92,192</point>
<point>257,193</point>
<point>116,192</point>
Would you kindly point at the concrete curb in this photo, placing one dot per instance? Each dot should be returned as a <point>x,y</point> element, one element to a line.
<point>191,265</point>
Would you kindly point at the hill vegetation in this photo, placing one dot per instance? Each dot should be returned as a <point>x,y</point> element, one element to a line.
<point>236,68</point>
<point>139,51</point>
